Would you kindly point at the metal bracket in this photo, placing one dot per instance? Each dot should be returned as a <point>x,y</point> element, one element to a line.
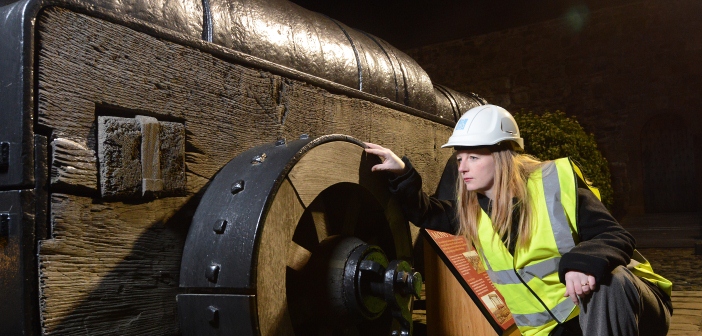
<point>216,314</point>
<point>16,106</point>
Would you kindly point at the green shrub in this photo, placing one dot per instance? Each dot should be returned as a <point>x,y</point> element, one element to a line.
<point>554,135</point>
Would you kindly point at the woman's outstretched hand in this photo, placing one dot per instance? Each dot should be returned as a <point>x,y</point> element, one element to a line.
<point>389,161</point>
<point>578,284</point>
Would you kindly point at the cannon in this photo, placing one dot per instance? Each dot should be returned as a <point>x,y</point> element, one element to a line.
<point>178,167</point>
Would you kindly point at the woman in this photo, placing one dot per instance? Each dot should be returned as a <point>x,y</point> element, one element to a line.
<point>562,262</point>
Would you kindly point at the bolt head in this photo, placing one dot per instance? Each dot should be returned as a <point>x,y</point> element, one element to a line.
<point>415,284</point>
<point>212,314</point>
<point>237,187</point>
<point>259,159</point>
<point>212,273</point>
<point>220,226</point>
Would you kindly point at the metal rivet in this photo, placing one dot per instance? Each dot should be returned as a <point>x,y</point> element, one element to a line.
<point>237,186</point>
<point>258,159</point>
<point>304,136</point>
<point>280,142</point>
<point>219,226</point>
<point>212,273</point>
<point>4,156</point>
<point>4,225</point>
<point>212,314</point>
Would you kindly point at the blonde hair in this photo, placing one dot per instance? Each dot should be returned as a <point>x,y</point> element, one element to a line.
<point>512,171</point>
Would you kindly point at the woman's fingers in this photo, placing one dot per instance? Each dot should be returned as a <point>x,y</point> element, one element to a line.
<point>389,161</point>
<point>379,152</point>
<point>591,282</point>
<point>391,165</point>
<point>570,292</point>
<point>578,285</point>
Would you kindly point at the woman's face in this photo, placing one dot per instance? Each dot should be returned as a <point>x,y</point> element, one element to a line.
<point>477,168</point>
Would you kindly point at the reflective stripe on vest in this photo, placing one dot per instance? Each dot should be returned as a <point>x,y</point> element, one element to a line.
<point>541,318</point>
<point>556,213</point>
<point>539,270</point>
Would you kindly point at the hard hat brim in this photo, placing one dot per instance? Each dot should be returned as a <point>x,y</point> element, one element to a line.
<point>468,143</point>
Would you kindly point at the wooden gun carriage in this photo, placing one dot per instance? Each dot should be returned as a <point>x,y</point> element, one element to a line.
<point>167,166</point>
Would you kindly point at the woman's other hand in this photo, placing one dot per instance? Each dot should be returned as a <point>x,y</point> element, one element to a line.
<point>578,284</point>
<point>389,161</point>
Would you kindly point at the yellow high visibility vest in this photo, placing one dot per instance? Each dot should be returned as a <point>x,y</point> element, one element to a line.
<point>529,280</point>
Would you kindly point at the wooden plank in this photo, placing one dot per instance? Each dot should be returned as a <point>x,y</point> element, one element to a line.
<point>273,257</point>
<point>112,266</point>
<point>151,182</point>
<point>73,165</point>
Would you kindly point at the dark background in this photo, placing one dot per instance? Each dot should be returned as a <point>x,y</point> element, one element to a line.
<point>415,23</point>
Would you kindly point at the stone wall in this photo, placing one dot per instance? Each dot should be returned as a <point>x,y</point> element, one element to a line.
<point>631,74</point>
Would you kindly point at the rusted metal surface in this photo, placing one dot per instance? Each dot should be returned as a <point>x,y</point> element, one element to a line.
<point>451,104</point>
<point>183,16</point>
<point>287,34</point>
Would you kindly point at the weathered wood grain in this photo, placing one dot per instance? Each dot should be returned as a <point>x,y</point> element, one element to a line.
<point>73,164</point>
<point>112,267</point>
<point>151,182</point>
<point>326,165</point>
<point>285,212</point>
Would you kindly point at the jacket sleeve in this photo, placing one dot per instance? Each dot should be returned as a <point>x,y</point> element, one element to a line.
<point>604,243</point>
<point>419,208</point>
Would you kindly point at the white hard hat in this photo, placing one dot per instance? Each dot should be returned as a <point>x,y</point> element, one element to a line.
<point>484,125</point>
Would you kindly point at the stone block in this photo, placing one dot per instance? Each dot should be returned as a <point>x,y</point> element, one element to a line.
<point>140,157</point>
<point>119,156</point>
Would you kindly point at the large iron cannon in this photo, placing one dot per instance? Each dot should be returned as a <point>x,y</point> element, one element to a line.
<point>125,128</point>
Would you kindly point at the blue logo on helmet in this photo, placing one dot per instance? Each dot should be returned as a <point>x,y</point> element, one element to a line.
<point>461,124</point>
